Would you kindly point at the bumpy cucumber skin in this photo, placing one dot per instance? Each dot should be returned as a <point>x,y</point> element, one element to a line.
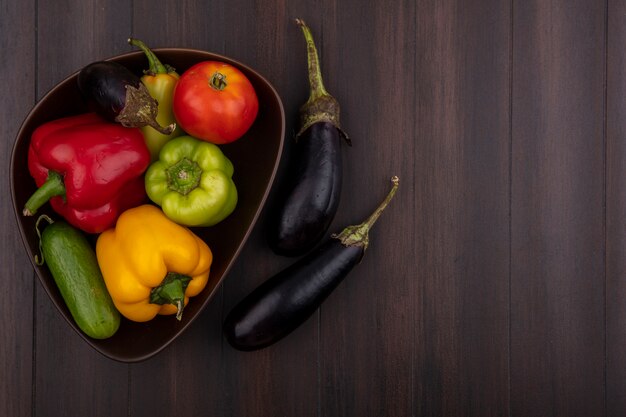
<point>74,267</point>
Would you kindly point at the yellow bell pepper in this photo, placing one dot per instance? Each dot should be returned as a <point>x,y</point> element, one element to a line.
<point>152,265</point>
<point>160,81</point>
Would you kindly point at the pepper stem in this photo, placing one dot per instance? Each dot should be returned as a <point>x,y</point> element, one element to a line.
<point>51,188</point>
<point>156,67</point>
<point>171,291</point>
<point>184,176</point>
<point>358,235</point>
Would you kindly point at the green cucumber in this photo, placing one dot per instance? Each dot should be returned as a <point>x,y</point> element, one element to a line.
<point>74,267</point>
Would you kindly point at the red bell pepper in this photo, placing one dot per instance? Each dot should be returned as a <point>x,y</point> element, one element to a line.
<point>89,169</point>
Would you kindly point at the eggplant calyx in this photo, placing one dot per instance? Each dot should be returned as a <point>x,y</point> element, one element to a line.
<point>358,235</point>
<point>141,110</point>
<point>321,106</point>
<point>322,109</point>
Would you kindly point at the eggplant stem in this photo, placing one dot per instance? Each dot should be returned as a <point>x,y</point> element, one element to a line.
<point>358,235</point>
<point>321,106</point>
<point>315,73</point>
<point>376,214</point>
<point>165,130</point>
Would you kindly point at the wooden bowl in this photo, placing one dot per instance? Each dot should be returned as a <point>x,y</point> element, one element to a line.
<point>255,157</point>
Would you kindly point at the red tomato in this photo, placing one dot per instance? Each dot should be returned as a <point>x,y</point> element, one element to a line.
<point>215,102</point>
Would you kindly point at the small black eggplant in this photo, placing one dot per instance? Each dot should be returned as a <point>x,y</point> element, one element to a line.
<point>118,95</point>
<point>289,298</point>
<point>314,188</point>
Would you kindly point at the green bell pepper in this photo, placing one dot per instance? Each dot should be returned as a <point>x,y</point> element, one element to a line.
<point>192,182</point>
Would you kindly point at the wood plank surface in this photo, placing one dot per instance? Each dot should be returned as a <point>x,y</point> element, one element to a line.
<point>258,381</point>
<point>616,210</point>
<point>462,163</point>
<point>197,355</point>
<point>17,324</point>
<point>366,341</point>
<point>557,209</point>
<point>70,35</point>
<point>494,282</point>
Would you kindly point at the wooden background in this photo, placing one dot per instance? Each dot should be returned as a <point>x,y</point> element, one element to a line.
<point>494,284</point>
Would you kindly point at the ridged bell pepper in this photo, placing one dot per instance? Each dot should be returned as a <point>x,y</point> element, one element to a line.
<point>192,182</point>
<point>90,170</point>
<point>160,81</point>
<point>152,265</point>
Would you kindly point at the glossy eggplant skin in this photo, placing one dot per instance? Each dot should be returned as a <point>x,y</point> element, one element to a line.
<point>118,95</point>
<point>313,192</point>
<point>104,84</point>
<point>289,298</point>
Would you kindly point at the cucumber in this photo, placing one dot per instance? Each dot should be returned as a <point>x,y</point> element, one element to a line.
<point>74,267</point>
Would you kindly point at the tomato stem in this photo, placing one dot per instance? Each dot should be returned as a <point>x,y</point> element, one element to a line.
<point>218,81</point>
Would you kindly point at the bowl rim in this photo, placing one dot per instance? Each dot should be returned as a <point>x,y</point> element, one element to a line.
<point>262,202</point>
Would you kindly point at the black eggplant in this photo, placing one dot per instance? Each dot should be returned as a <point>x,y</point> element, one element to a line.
<point>118,95</point>
<point>289,298</point>
<point>315,175</point>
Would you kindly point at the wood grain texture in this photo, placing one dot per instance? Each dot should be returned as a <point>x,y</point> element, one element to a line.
<point>557,280</point>
<point>161,386</point>
<point>462,194</point>
<point>70,35</point>
<point>259,383</point>
<point>616,210</point>
<point>366,326</point>
<point>494,282</point>
<point>17,41</point>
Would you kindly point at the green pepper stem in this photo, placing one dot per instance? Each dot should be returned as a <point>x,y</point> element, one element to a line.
<point>171,291</point>
<point>156,67</point>
<point>51,188</point>
<point>358,235</point>
<point>315,73</point>
<point>184,176</point>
